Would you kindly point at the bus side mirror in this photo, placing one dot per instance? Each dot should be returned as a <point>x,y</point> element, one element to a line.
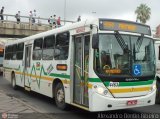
<point>95,41</point>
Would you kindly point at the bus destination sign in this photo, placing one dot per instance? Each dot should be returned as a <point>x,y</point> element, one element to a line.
<point>126,26</point>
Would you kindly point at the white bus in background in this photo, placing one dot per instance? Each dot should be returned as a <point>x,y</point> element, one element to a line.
<point>157,52</point>
<point>1,58</point>
<point>96,65</point>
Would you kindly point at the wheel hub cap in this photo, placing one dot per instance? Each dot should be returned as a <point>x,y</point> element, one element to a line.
<point>60,95</point>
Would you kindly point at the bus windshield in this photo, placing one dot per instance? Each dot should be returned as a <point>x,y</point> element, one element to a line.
<point>121,54</point>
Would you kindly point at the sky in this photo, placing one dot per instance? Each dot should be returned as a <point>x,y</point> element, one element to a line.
<point>71,9</point>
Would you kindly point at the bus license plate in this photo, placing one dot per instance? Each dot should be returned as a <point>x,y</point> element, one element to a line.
<point>131,102</point>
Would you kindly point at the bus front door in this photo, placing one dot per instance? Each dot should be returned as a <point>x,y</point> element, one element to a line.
<point>81,61</point>
<point>27,66</point>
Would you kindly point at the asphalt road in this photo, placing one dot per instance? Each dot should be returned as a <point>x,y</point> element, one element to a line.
<point>47,105</point>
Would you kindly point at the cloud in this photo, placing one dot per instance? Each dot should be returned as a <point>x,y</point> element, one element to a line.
<point>120,9</point>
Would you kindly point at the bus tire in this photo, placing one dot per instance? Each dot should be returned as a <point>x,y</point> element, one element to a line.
<point>13,81</point>
<point>158,92</point>
<point>60,96</point>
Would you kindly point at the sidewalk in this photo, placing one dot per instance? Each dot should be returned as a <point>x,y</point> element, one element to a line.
<point>14,108</point>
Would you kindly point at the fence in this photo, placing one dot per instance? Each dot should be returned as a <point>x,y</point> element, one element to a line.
<point>26,20</point>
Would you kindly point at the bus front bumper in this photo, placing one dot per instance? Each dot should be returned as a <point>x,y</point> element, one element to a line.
<point>102,103</point>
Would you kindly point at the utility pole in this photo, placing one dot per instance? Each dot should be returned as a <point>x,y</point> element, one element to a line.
<point>64,12</point>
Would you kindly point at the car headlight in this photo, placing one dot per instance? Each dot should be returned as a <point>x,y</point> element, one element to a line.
<point>102,90</point>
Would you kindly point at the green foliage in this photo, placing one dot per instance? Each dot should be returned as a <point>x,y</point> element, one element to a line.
<point>143,13</point>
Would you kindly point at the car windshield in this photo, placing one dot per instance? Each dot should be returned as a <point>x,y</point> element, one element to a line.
<point>125,55</point>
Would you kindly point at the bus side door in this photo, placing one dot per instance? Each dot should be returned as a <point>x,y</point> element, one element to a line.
<point>81,61</point>
<point>27,66</point>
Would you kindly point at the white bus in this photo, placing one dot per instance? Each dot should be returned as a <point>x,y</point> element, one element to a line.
<point>1,57</point>
<point>157,53</point>
<point>96,65</point>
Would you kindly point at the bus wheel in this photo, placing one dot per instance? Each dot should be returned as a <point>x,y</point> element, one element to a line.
<point>60,96</point>
<point>14,86</point>
<point>158,92</point>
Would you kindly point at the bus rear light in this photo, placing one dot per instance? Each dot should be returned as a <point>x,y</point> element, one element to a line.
<point>62,67</point>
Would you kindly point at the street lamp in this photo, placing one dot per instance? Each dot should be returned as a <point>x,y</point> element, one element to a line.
<point>93,12</point>
<point>64,12</point>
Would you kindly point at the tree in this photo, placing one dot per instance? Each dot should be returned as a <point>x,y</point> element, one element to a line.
<point>143,13</point>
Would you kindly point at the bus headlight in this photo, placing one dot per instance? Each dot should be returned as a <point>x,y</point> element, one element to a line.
<point>154,87</point>
<point>101,90</point>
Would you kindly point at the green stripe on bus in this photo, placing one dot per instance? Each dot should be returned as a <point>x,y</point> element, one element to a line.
<point>60,75</point>
<point>42,70</point>
<point>138,83</point>
<point>94,80</point>
<point>11,68</point>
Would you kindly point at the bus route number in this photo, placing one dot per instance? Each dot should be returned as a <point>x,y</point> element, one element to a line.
<point>113,84</point>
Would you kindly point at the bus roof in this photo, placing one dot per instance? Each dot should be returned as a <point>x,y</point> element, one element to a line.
<point>70,27</point>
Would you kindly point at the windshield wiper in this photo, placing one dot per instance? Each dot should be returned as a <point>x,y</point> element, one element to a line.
<point>121,41</point>
<point>139,42</point>
<point>124,47</point>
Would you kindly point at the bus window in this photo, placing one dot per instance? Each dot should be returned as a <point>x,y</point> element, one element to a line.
<point>5,56</point>
<point>20,48</point>
<point>14,51</point>
<point>62,45</point>
<point>48,48</point>
<point>37,49</point>
<point>9,53</point>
